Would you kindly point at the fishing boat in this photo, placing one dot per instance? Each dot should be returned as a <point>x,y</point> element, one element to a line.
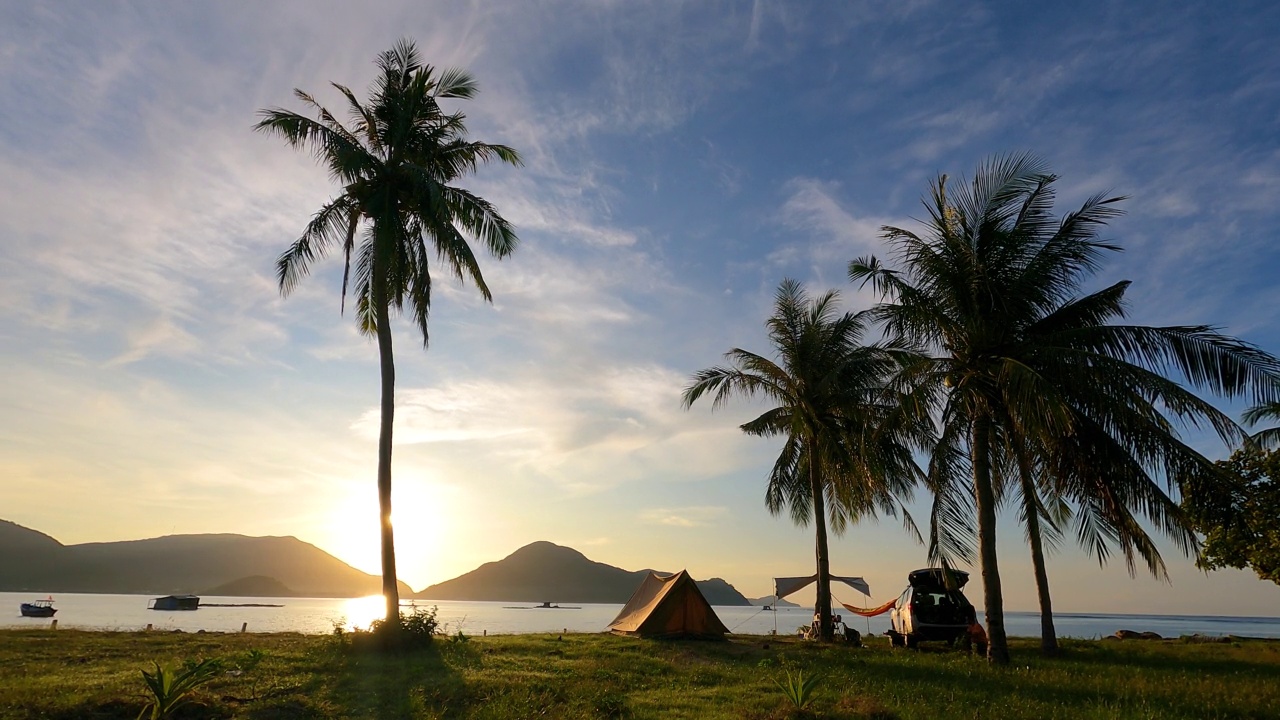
<point>38,608</point>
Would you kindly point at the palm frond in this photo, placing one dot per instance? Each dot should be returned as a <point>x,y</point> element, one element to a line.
<point>330,225</point>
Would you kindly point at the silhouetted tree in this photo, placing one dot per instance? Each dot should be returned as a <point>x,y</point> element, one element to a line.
<point>1238,517</point>
<point>395,161</point>
<point>843,457</point>
<point>1028,377</point>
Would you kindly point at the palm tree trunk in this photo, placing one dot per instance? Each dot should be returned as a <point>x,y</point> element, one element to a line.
<point>1048,636</point>
<point>390,588</point>
<point>826,630</point>
<point>993,601</point>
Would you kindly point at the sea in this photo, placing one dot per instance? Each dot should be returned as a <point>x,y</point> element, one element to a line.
<point>323,615</point>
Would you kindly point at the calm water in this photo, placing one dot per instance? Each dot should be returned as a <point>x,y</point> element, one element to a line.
<point>320,615</point>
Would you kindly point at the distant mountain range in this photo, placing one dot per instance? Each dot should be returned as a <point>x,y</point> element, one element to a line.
<point>772,601</point>
<point>546,572</point>
<point>243,566</point>
<point>283,566</point>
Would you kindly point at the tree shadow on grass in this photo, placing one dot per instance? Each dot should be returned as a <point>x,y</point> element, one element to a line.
<point>394,685</point>
<point>1180,657</point>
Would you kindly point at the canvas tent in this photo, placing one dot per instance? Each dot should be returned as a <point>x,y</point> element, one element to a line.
<point>668,606</point>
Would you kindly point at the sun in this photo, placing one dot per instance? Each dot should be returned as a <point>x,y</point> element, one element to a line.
<point>422,517</point>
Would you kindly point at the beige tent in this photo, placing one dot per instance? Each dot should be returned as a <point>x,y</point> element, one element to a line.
<point>670,606</point>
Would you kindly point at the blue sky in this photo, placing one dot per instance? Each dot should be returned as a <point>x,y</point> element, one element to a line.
<point>681,160</point>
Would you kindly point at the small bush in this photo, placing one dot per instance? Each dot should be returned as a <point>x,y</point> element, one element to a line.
<point>169,690</point>
<point>415,631</point>
<point>419,627</point>
<point>798,688</point>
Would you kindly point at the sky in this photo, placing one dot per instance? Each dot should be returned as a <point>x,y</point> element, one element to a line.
<point>681,160</point>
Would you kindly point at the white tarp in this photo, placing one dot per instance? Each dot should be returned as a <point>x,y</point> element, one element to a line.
<point>785,586</point>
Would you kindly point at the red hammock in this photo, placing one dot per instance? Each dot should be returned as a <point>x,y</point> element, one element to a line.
<point>870,612</point>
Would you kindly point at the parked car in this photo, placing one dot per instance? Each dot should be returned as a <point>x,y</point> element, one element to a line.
<point>927,610</point>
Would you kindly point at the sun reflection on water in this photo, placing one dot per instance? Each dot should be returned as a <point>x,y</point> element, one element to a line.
<point>360,612</point>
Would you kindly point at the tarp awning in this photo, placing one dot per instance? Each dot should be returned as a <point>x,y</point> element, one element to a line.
<point>785,586</point>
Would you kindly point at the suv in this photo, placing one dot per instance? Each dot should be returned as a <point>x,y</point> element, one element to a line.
<point>927,610</point>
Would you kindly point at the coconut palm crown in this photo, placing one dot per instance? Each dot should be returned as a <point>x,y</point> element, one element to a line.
<point>395,160</point>
<point>1265,412</point>
<point>1030,381</point>
<point>843,457</point>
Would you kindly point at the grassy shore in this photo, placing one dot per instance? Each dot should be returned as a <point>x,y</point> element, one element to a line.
<point>69,674</point>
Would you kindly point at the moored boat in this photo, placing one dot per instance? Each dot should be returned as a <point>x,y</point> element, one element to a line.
<point>175,602</point>
<point>38,608</point>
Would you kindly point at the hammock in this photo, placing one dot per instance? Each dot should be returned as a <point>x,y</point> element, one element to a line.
<point>870,612</point>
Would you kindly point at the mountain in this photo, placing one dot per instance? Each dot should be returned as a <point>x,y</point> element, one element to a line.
<point>546,572</point>
<point>33,561</point>
<point>769,600</point>
<point>252,586</point>
<point>19,546</point>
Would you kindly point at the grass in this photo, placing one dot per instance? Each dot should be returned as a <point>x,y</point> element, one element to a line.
<point>57,675</point>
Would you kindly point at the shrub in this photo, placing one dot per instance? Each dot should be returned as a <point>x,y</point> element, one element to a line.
<point>171,689</point>
<point>415,631</point>
<point>798,688</point>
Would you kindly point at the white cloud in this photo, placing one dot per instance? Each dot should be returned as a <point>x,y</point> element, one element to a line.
<point>588,430</point>
<point>162,336</point>
<point>140,217</point>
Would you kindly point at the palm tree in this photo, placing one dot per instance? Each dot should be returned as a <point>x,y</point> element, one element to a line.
<point>395,161</point>
<point>1026,373</point>
<point>1270,437</point>
<point>843,458</point>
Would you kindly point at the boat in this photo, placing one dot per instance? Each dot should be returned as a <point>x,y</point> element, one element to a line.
<point>546,605</point>
<point>38,608</point>
<point>175,602</point>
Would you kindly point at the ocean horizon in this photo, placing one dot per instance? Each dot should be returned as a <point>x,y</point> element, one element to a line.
<point>87,611</point>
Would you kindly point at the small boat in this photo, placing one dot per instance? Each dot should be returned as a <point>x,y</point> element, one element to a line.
<point>175,602</point>
<point>38,608</point>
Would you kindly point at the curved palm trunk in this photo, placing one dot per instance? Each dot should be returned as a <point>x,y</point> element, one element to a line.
<point>1048,636</point>
<point>993,601</point>
<point>826,630</point>
<point>390,588</point>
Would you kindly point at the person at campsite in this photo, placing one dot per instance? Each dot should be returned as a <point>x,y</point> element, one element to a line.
<point>975,638</point>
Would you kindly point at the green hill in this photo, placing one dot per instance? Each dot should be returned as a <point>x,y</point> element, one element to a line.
<point>546,572</point>
<point>32,561</point>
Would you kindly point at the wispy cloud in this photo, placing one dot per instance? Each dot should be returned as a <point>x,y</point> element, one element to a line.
<point>611,426</point>
<point>684,517</point>
<point>680,159</point>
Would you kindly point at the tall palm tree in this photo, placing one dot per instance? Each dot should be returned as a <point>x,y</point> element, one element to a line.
<point>395,160</point>
<point>843,456</point>
<point>1023,364</point>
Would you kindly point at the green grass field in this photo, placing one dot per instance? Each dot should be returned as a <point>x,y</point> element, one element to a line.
<point>69,674</point>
